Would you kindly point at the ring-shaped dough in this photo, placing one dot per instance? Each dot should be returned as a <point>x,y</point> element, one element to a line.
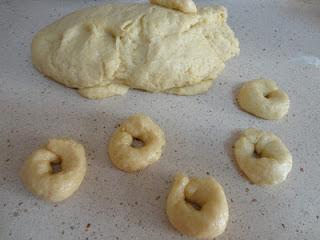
<point>128,158</point>
<point>264,99</point>
<point>207,222</point>
<point>186,6</point>
<point>38,176</point>
<point>273,163</point>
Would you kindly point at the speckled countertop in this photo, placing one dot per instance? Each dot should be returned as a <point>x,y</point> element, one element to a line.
<point>280,39</point>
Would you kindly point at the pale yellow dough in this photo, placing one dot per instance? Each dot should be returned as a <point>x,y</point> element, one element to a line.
<point>264,99</point>
<point>192,89</point>
<point>104,91</point>
<point>273,163</point>
<point>142,46</point>
<point>129,158</point>
<point>186,6</point>
<point>38,177</point>
<point>205,223</point>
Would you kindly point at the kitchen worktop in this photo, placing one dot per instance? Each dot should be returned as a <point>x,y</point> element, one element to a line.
<point>279,40</point>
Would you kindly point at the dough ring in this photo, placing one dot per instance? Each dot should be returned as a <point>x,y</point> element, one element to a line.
<point>128,158</point>
<point>208,218</point>
<point>186,6</point>
<point>39,176</point>
<point>264,99</point>
<point>273,163</point>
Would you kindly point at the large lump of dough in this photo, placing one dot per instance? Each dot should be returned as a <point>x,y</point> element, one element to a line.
<point>105,50</point>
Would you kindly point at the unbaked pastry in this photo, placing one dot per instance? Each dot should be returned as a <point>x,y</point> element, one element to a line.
<point>211,217</point>
<point>130,158</point>
<point>263,157</point>
<point>104,50</point>
<point>186,6</point>
<point>39,178</point>
<point>264,99</point>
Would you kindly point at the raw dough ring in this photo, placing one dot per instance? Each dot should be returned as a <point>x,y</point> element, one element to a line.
<point>186,6</point>
<point>38,176</point>
<point>273,163</point>
<point>264,99</point>
<point>128,158</point>
<point>212,217</point>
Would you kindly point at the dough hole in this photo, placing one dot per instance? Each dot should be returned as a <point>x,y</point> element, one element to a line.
<point>267,95</point>
<point>195,205</point>
<point>56,166</point>
<point>256,154</point>
<point>137,143</point>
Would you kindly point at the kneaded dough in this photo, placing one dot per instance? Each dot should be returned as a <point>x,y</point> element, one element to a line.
<point>141,46</point>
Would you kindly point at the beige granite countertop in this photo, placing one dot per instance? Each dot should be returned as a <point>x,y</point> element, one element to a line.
<point>280,40</point>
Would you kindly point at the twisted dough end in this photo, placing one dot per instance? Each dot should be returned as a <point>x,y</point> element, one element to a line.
<point>197,207</point>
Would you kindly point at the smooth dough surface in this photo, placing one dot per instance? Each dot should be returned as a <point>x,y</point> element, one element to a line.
<point>142,46</point>
<point>38,176</point>
<point>129,158</point>
<point>207,222</point>
<point>273,163</point>
<point>264,99</point>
